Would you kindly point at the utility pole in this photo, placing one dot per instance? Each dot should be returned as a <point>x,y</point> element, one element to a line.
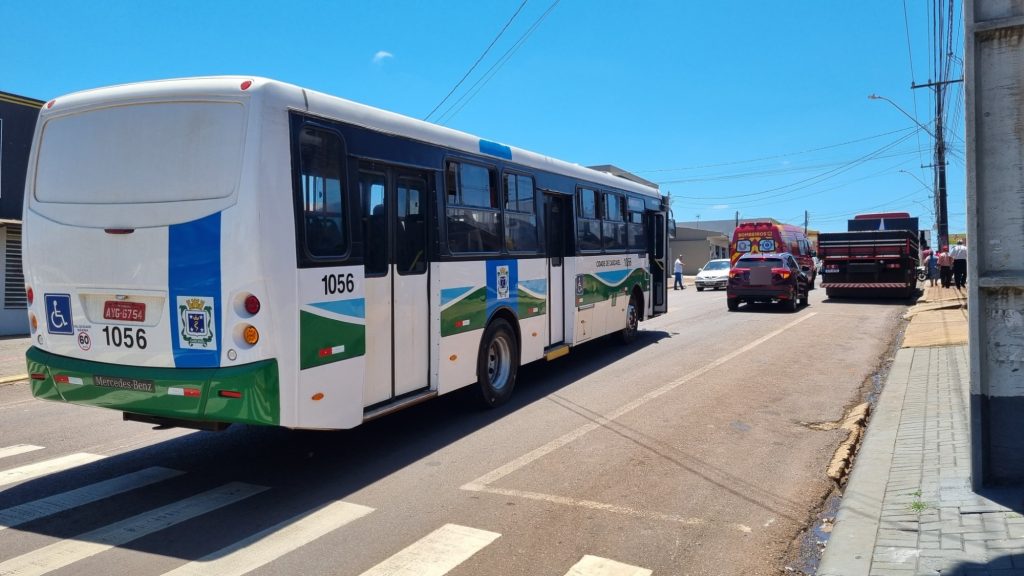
<point>941,220</point>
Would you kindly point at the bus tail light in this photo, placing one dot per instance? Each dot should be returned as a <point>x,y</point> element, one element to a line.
<point>229,394</point>
<point>33,322</point>
<point>252,304</point>
<point>251,335</point>
<point>38,376</point>
<point>30,295</point>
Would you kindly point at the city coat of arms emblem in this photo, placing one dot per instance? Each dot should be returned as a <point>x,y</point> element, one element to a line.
<point>197,324</point>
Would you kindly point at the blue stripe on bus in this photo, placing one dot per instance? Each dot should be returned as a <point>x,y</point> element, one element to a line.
<point>495,149</point>
<point>502,296</point>
<point>539,287</point>
<point>449,294</point>
<point>613,277</point>
<point>193,271</point>
<point>354,307</point>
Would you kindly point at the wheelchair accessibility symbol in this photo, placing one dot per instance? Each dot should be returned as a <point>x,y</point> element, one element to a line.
<point>58,314</point>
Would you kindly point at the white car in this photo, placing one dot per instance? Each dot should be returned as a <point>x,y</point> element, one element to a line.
<point>714,274</point>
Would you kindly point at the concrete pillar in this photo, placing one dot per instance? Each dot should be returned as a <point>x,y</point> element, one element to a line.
<point>994,84</point>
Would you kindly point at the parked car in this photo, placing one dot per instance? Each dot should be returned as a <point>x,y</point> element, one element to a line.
<point>769,277</point>
<point>714,275</point>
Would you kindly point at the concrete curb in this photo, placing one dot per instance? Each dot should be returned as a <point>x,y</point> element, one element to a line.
<point>851,546</point>
<point>13,379</point>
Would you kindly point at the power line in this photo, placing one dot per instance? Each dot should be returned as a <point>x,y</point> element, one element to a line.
<point>473,67</point>
<point>490,73</point>
<point>774,157</point>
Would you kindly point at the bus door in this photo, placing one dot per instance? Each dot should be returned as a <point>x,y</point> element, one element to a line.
<point>658,251</point>
<point>556,209</point>
<point>394,204</point>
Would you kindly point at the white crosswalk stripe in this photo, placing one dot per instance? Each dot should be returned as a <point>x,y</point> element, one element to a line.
<point>436,553</point>
<point>65,552</point>
<point>18,449</point>
<point>270,544</point>
<point>597,566</point>
<point>84,495</point>
<point>45,467</point>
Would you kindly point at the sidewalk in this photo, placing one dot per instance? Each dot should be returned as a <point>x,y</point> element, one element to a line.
<point>908,507</point>
<point>12,358</point>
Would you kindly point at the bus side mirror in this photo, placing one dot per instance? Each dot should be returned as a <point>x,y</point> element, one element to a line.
<point>672,229</point>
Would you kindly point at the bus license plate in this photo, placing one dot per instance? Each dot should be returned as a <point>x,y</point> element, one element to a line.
<point>130,311</point>
<point>124,383</point>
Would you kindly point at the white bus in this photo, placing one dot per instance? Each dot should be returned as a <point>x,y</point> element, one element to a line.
<point>207,251</point>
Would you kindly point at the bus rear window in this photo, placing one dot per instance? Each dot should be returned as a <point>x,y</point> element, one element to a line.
<point>142,153</point>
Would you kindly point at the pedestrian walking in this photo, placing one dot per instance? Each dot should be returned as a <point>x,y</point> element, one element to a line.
<point>945,267</point>
<point>931,263</point>
<point>959,255</point>
<point>678,269</point>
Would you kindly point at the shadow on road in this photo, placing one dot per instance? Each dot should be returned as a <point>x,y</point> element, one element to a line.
<point>303,469</point>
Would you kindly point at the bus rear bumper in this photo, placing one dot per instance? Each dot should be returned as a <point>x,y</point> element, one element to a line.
<point>248,394</point>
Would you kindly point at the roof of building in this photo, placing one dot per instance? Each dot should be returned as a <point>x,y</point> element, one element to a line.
<point>22,100</point>
<point>616,171</point>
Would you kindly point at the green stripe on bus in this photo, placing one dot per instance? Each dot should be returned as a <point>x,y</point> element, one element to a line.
<point>171,397</point>
<point>530,305</point>
<point>595,290</point>
<point>466,315</point>
<point>323,340</point>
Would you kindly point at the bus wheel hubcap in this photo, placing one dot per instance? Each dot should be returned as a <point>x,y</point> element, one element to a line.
<point>498,362</point>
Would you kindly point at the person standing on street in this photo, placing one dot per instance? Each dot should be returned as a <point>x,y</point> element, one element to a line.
<point>932,266</point>
<point>959,255</point>
<point>678,269</point>
<point>945,267</point>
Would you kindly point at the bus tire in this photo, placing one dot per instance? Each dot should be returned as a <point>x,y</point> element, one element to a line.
<point>628,334</point>
<point>498,363</point>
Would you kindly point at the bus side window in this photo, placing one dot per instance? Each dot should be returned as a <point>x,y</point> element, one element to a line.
<point>636,234</point>
<point>371,189</point>
<point>474,212</point>
<point>520,214</point>
<point>320,174</point>
<point>588,226</point>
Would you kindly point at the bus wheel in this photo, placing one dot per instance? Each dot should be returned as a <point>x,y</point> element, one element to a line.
<point>498,363</point>
<point>628,334</point>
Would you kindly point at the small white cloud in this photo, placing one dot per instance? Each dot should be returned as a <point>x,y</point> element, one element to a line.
<point>719,206</point>
<point>381,56</point>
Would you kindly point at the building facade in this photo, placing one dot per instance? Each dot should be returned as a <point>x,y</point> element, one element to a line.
<point>17,124</point>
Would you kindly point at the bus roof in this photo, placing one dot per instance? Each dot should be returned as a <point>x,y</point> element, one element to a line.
<point>317,103</point>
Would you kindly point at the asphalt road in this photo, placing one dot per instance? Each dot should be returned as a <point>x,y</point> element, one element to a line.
<point>688,452</point>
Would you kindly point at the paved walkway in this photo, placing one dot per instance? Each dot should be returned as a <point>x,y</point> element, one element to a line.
<point>908,508</point>
<point>12,358</point>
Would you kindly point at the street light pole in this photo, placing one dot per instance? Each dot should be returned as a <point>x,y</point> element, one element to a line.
<point>941,224</point>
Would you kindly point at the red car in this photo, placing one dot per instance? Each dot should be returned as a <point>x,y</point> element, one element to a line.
<point>770,277</point>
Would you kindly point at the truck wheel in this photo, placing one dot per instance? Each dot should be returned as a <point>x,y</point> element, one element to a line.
<point>628,334</point>
<point>498,363</point>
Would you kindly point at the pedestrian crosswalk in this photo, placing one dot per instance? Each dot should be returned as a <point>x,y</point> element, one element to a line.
<point>437,553</point>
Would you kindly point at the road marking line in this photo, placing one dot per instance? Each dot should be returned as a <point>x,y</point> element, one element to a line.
<point>81,496</point>
<point>45,467</point>
<point>556,499</point>
<point>18,449</point>
<point>436,553</point>
<point>482,484</point>
<point>597,566</point>
<point>65,552</point>
<point>268,545</point>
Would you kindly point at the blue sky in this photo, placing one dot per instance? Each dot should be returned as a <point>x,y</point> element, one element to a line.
<point>758,106</point>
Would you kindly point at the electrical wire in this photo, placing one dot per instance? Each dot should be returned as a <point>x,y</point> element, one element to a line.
<point>473,67</point>
<point>493,70</point>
